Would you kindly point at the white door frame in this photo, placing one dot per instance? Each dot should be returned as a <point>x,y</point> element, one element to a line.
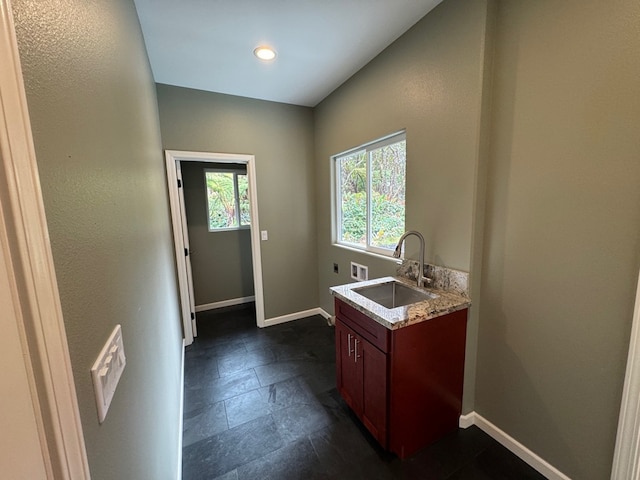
<point>626,460</point>
<point>31,285</point>
<point>172,158</point>
<point>184,262</point>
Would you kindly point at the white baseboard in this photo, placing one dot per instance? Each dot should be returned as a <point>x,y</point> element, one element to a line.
<point>181,412</point>
<point>224,303</point>
<point>296,316</point>
<point>467,420</point>
<point>537,462</point>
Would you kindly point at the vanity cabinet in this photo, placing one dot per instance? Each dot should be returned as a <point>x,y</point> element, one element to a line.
<point>362,380</point>
<point>405,385</point>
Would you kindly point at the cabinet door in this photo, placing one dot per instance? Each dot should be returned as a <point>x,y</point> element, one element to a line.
<point>348,371</point>
<point>362,380</point>
<point>373,365</point>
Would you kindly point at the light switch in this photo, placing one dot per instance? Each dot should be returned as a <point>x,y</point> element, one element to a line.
<point>264,235</point>
<point>107,370</point>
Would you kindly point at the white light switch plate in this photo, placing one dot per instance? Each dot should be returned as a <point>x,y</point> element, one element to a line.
<point>264,235</point>
<point>107,370</point>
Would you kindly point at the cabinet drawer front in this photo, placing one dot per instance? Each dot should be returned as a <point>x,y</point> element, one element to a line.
<point>369,329</point>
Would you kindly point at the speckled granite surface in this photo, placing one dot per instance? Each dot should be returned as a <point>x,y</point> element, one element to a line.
<point>441,278</point>
<point>441,303</point>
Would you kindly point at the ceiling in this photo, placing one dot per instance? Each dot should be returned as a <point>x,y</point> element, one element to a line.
<point>208,44</point>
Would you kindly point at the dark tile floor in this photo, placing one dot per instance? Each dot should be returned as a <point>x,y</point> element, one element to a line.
<point>262,404</point>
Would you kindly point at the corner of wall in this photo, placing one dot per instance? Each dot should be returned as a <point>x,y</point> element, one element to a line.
<point>479,197</point>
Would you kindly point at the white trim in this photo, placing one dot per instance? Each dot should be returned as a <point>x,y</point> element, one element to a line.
<point>296,316</point>
<point>181,416</point>
<point>467,420</point>
<point>40,314</point>
<point>225,303</point>
<point>178,242</point>
<point>187,247</point>
<point>336,191</point>
<point>171,158</point>
<point>626,459</point>
<point>367,252</point>
<point>515,447</point>
<point>24,452</point>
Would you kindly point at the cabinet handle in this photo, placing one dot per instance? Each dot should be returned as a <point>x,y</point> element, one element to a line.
<point>349,351</point>
<point>356,356</point>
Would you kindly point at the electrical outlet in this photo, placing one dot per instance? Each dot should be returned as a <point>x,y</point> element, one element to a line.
<point>107,370</point>
<point>359,272</point>
<point>363,272</point>
<point>335,268</point>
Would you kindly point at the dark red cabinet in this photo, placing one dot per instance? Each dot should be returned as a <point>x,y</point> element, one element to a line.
<point>363,380</point>
<point>405,385</point>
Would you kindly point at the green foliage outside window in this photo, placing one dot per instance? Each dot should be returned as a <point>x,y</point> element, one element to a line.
<point>243,197</point>
<point>227,200</point>
<point>387,167</point>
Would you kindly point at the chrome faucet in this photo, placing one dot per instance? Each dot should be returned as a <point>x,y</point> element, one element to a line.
<point>396,254</point>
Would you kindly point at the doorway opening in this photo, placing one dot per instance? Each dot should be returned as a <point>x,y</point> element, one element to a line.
<point>174,160</point>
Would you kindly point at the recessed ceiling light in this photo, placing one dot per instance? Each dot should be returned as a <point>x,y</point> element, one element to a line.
<point>265,53</point>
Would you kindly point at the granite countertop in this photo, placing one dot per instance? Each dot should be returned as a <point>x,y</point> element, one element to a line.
<point>442,303</point>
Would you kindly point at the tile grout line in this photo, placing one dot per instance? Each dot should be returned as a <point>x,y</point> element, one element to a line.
<point>226,415</point>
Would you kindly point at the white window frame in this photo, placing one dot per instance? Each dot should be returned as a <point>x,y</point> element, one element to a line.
<point>337,197</point>
<point>236,199</point>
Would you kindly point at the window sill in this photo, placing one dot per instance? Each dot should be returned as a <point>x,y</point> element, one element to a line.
<point>366,252</point>
<point>231,229</point>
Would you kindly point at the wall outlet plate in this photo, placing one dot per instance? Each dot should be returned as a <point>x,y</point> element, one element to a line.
<point>363,272</point>
<point>359,272</point>
<point>107,370</point>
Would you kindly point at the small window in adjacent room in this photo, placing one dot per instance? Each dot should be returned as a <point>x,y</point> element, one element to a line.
<point>370,195</point>
<point>227,200</point>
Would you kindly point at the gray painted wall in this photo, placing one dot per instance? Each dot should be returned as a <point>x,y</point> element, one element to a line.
<point>221,263</point>
<point>559,238</point>
<point>562,240</point>
<point>428,82</point>
<point>95,122</point>
<point>529,177</point>
<point>281,138</point>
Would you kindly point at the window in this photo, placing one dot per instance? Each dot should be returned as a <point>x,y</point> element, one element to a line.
<point>370,195</point>
<point>227,200</point>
